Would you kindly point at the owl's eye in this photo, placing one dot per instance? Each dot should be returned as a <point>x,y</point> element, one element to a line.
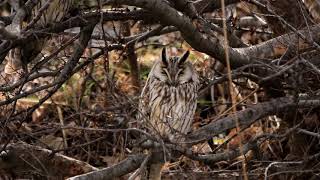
<point>180,71</point>
<point>164,71</point>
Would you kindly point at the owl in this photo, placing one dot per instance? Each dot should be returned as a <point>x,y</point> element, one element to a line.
<point>169,99</point>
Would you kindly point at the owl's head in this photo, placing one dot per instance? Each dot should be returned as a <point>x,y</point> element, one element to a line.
<point>174,70</point>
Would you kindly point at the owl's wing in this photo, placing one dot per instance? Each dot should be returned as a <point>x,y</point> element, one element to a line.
<point>144,109</point>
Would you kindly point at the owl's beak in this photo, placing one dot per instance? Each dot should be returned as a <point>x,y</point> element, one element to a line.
<point>173,83</point>
<point>171,80</point>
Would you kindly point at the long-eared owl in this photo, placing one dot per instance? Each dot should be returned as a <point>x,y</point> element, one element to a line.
<point>169,98</point>
<point>167,104</point>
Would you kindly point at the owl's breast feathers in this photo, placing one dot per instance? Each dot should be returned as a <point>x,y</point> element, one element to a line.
<point>172,108</point>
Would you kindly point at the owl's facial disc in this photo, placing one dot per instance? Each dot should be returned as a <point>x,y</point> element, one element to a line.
<point>174,71</point>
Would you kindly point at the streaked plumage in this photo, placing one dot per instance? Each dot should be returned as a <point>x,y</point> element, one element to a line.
<point>168,100</point>
<point>55,12</point>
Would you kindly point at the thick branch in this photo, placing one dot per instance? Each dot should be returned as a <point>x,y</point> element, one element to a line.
<point>249,116</point>
<point>209,5</point>
<point>124,167</point>
<point>33,34</point>
<point>200,42</point>
<point>21,157</point>
<point>278,46</point>
<point>210,45</point>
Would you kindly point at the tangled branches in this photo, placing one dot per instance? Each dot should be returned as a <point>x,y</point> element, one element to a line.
<point>82,89</point>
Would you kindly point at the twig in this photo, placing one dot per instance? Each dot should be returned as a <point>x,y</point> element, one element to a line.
<point>64,135</point>
<point>308,133</point>
<point>141,169</point>
<point>39,14</point>
<point>146,35</point>
<point>276,163</point>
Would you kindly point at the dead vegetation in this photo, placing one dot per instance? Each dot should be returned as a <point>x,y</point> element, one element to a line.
<point>72,110</point>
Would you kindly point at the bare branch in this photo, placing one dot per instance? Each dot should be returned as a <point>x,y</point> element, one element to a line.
<point>248,116</point>
<point>120,169</point>
<point>21,157</point>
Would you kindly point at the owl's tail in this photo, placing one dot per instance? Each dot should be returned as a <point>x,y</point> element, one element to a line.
<point>154,171</point>
<point>154,166</point>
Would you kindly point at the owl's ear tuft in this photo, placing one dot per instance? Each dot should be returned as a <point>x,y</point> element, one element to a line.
<point>164,56</point>
<point>184,57</point>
